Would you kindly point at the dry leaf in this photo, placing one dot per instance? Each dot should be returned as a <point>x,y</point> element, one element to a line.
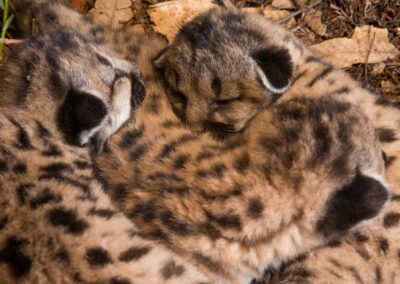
<point>313,20</point>
<point>283,4</point>
<point>169,16</point>
<point>276,15</point>
<point>111,13</point>
<point>80,5</point>
<point>344,52</point>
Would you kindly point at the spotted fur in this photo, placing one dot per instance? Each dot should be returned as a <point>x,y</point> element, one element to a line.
<point>369,256</point>
<point>57,225</point>
<point>229,207</point>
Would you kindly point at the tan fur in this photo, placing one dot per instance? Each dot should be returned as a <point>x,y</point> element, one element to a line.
<point>178,203</point>
<point>371,258</point>
<point>57,225</point>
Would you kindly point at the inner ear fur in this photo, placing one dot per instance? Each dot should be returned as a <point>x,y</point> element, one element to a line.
<point>80,111</point>
<point>275,68</point>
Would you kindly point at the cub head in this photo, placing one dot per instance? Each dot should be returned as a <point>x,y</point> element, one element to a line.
<point>63,78</point>
<point>226,65</point>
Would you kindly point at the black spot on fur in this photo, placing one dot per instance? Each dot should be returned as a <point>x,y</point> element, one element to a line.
<point>218,170</point>
<point>103,60</point>
<point>276,64</point>
<point>208,263</point>
<point>175,225</point>
<point>390,160</point>
<point>43,132</point>
<point>204,155</point>
<point>165,176</point>
<point>3,166</point>
<point>3,222</point>
<point>18,262</point>
<point>146,210</point>
<point>361,238</point>
<point>134,253</point>
<point>384,245</point>
<point>63,256</point>
<point>391,219</point>
<point>79,112</point>
<point>130,138</point>
<point>170,124</point>
<point>45,197</point>
<point>222,196</point>
<point>116,280</point>
<point>171,269</point>
<point>386,135</point>
<point>52,151</point>
<point>50,17</point>
<point>64,40</point>
<point>83,165</point>
<point>52,58</point>
<point>24,141</point>
<point>255,208</point>
<point>242,163</point>
<point>209,230</point>
<point>153,106</point>
<point>216,86</point>
<point>98,257</point>
<point>325,72</point>
<point>170,148</point>
<point>98,35</point>
<point>226,221</point>
<point>378,275</point>
<point>119,193</point>
<point>22,191</point>
<point>56,168</point>
<point>19,168</point>
<point>103,213</point>
<point>180,161</point>
<point>138,152</point>
<point>68,219</point>
<point>361,199</point>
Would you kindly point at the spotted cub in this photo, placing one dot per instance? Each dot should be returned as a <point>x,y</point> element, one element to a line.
<point>275,62</point>
<point>57,225</point>
<point>234,207</point>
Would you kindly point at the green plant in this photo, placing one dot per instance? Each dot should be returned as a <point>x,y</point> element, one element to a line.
<point>6,22</point>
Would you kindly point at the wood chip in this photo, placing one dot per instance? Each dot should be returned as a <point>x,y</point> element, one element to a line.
<point>111,13</point>
<point>169,16</point>
<point>344,52</point>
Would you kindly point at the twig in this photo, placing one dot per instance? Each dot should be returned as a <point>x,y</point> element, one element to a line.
<point>366,60</point>
<point>305,9</point>
<point>228,5</point>
<point>9,41</point>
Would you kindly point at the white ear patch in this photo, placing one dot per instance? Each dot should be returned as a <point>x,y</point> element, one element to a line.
<point>268,84</point>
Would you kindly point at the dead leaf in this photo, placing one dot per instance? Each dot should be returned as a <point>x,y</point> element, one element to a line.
<point>283,4</point>
<point>169,16</point>
<point>313,20</point>
<point>80,5</point>
<point>276,15</point>
<point>344,52</point>
<point>111,13</point>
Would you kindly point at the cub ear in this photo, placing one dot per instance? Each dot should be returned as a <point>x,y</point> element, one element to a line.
<point>81,116</point>
<point>275,68</point>
<point>360,200</point>
<point>159,60</point>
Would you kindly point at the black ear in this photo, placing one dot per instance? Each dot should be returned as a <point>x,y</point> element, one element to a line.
<point>79,116</point>
<point>275,68</point>
<point>360,200</point>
